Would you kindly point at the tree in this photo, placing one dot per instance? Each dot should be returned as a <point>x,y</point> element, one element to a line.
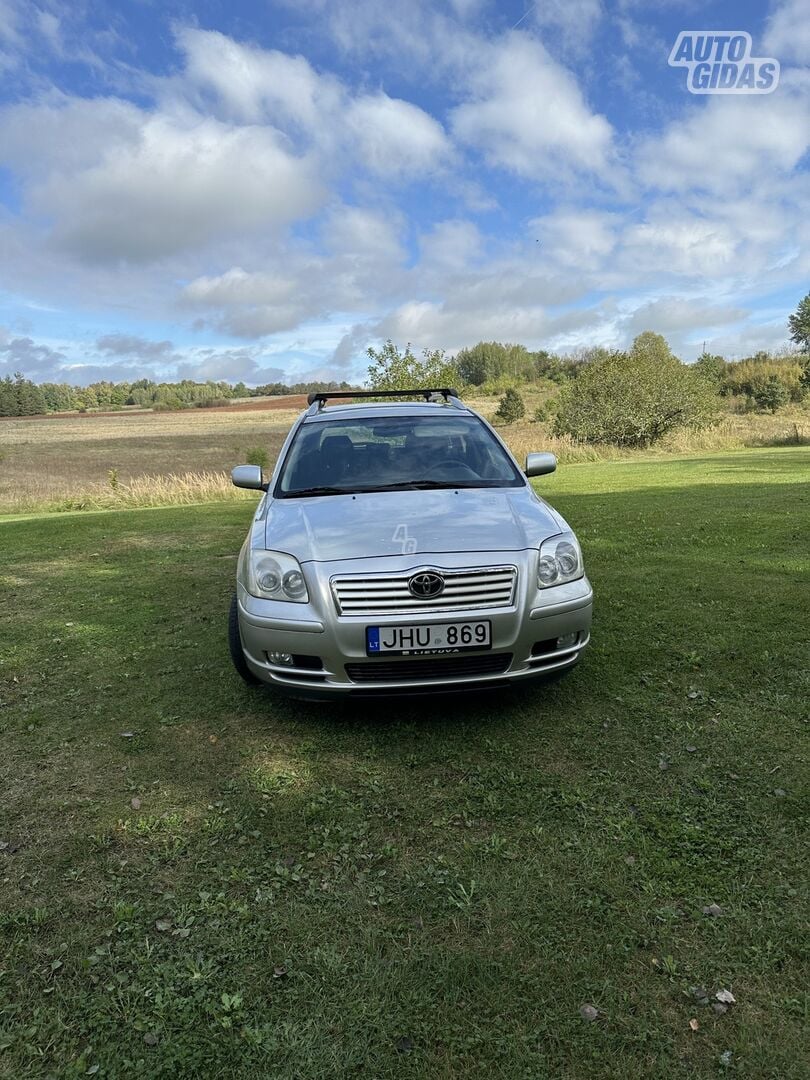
<point>799,325</point>
<point>713,367</point>
<point>392,370</point>
<point>772,395</point>
<point>510,407</point>
<point>635,398</point>
<point>30,399</point>
<point>8,399</point>
<point>490,360</point>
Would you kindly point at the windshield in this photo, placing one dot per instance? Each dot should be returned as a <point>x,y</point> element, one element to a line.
<point>335,457</point>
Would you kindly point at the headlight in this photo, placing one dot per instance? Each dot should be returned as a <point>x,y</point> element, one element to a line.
<point>272,575</point>
<point>560,561</point>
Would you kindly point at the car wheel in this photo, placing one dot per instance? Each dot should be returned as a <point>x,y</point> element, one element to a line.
<point>235,644</point>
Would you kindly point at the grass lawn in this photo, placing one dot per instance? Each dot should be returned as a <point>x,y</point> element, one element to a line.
<point>200,880</point>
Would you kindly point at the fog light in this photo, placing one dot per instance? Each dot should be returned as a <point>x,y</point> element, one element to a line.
<point>280,658</point>
<point>566,641</point>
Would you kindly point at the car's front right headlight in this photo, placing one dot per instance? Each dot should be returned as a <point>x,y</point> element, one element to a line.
<point>560,561</point>
<point>274,575</point>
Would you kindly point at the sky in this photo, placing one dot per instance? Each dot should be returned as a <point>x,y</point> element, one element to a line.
<point>260,191</point>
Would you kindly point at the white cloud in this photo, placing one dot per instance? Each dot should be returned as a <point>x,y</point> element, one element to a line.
<point>158,184</point>
<point>787,34</point>
<point>237,287</point>
<point>455,245</point>
<point>250,85</point>
<point>680,243</point>
<point>580,239</point>
<point>358,233</point>
<point>570,22</point>
<point>681,314</point>
<point>724,144</point>
<point>394,138</point>
<point>362,259</point>
<point>527,113</point>
<point>245,84</point>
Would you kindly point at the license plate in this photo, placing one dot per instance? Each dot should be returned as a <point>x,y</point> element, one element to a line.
<point>424,640</point>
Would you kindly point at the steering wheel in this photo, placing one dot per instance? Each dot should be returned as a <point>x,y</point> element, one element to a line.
<point>454,463</point>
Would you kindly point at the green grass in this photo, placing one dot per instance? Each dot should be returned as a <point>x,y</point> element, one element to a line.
<point>426,891</point>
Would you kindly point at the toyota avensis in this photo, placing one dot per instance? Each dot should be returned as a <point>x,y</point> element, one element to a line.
<point>399,548</point>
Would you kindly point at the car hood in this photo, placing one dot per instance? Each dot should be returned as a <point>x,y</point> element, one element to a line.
<point>335,527</point>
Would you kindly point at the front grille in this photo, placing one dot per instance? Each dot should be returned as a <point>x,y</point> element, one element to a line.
<point>445,667</point>
<point>478,587</point>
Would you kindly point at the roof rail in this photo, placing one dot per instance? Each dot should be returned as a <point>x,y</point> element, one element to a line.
<point>319,398</point>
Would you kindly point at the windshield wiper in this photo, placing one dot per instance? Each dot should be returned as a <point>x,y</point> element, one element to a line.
<point>303,493</point>
<point>424,485</point>
<point>404,485</point>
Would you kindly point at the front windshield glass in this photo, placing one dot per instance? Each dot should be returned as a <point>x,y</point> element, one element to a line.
<point>392,453</point>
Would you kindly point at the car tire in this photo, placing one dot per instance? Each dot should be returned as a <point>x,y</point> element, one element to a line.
<point>235,645</point>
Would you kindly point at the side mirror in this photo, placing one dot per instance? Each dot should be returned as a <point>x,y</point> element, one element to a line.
<point>248,476</point>
<point>540,464</point>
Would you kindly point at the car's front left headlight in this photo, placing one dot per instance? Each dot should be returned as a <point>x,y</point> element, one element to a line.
<point>274,575</point>
<point>560,561</point>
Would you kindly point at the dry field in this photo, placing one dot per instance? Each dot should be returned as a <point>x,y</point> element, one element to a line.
<point>153,459</point>
<point>69,461</point>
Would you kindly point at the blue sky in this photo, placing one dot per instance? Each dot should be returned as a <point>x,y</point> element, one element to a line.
<point>260,191</point>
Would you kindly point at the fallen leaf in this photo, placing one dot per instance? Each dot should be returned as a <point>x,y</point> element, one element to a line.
<point>135,804</point>
<point>714,910</point>
<point>182,932</point>
<point>588,1012</point>
<point>726,997</point>
<point>163,925</point>
<point>693,1024</point>
<point>691,749</point>
<point>279,972</point>
<point>720,1008</point>
<point>212,738</point>
<point>92,1070</point>
<point>404,1045</point>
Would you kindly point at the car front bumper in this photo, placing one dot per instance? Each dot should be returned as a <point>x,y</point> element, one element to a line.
<point>329,650</point>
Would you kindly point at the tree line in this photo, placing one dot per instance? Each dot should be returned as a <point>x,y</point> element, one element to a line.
<point>20,396</point>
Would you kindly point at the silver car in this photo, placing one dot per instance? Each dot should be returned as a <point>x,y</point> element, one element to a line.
<point>398,548</point>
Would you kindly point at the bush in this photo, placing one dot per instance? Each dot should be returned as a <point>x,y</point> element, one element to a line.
<point>546,411</point>
<point>750,377</point>
<point>510,407</point>
<point>635,398</point>
<point>257,455</point>
<point>772,395</point>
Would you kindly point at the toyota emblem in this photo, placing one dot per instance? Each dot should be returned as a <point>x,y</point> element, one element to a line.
<point>426,585</point>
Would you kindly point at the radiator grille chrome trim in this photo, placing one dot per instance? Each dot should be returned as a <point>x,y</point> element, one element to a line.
<point>384,594</point>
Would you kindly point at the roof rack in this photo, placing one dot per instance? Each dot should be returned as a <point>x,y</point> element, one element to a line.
<point>319,398</point>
